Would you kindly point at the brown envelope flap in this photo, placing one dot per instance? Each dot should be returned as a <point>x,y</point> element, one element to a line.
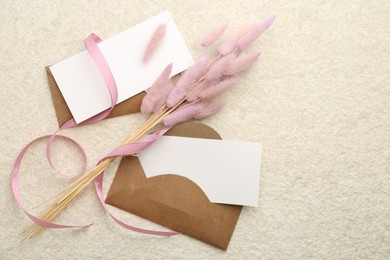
<point>131,105</point>
<point>172,200</point>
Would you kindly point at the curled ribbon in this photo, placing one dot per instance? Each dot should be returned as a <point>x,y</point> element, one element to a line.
<point>91,45</point>
<point>15,185</point>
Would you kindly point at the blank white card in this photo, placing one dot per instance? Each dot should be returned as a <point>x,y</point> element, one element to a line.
<point>227,171</point>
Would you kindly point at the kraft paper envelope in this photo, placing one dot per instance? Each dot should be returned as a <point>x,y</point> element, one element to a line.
<point>172,200</point>
<point>131,105</point>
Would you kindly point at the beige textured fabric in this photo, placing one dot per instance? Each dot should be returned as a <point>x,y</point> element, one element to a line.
<point>318,100</point>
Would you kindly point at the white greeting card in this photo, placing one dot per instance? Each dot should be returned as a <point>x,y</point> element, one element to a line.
<point>227,171</point>
<point>83,87</point>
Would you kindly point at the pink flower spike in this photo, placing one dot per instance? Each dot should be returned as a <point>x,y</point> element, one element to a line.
<point>252,35</point>
<point>183,114</point>
<point>230,44</point>
<point>174,96</point>
<point>193,95</point>
<point>218,89</point>
<point>187,80</point>
<point>154,92</point>
<point>210,109</point>
<point>213,35</point>
<point>154,42</point>
<point>165,90</point>
<point>218,68</point>
<point>199,68</point>
<point>242,63</point>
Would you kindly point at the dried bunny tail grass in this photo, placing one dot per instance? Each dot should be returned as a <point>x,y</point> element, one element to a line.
<point>179,91</point>
<point>199,68</point>
<point>165,90</point>
<point>219,67</point>
<point>154,42</point>
<point>156,90</point>
<point>187,80</point>
<point>218,89</point>
<point>214,35</point>
<point>209,109</point>
<point>183,114</point>
<point>242,63</point>
<point>255,33</point>
<point>230,44</point>
<point>174,96</point>
<point>194,94</point>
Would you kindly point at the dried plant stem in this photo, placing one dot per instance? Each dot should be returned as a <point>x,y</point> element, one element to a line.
<point>56,208</point>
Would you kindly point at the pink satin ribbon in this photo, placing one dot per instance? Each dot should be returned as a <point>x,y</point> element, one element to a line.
<point>91,45</point>
<point>15,186</point>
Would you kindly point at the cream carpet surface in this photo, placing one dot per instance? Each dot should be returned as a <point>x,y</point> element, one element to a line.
<point>318,101</point>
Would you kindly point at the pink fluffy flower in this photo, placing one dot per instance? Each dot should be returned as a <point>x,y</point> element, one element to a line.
<point>214,35</point>
<point>230,44</point>
<point>242,63</point>
<point>218,89</point>
<point>154,42</point>
<point>219,67</point>
<point>183,114</point>
<point>209,109</point>
<point>187,80</point>
<point>194,94</point>
<point>255,33</point>
<point>164,92</point>
<point>157,92</point>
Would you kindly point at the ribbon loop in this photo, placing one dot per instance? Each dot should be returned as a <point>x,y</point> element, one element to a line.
<point>15,187</point>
